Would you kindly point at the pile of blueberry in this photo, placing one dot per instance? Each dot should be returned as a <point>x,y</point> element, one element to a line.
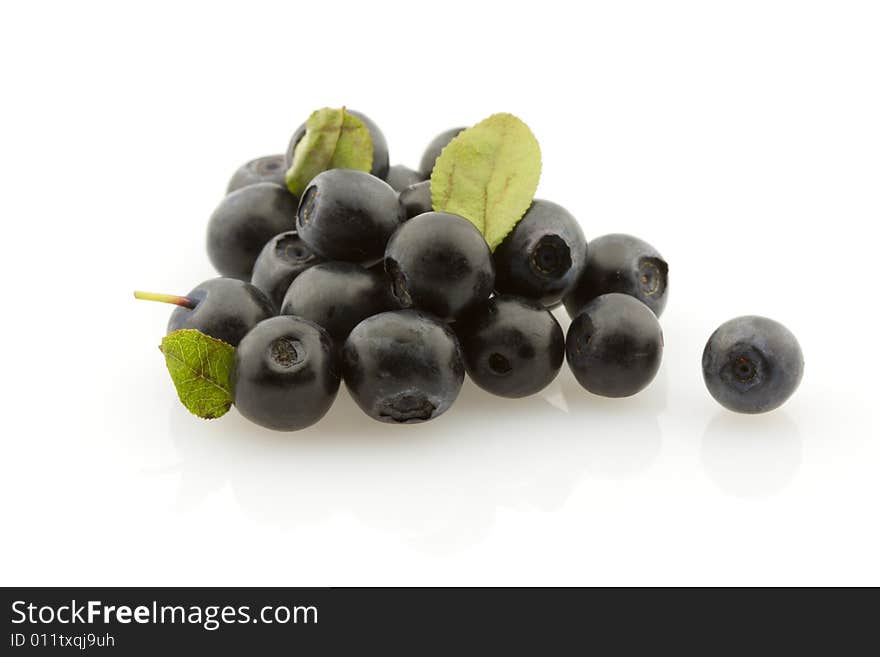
<point>361,280</point>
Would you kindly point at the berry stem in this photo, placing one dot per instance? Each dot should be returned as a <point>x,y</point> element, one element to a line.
<point>184,302</point>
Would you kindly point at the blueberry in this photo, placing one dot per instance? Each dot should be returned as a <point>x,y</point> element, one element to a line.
<point>752,364</point>
<point>286,374</point>
<point>224,308</point>
<point>380,146</point>
<point>403,366</point>
<point>264,169</point>
<point>337,296</point>
<point>242,224</point>
<point>439,262</point>
<point>416,199</point>
<point>283,258</point>
<point>542,256</point>
<point>401,177</point>
<point>513,347</point>
<point>432,152</point>
<point>625,264</point>
<point>348,215</point>
<point>614,346</point>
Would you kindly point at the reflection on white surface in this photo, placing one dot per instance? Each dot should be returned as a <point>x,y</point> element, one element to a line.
<point>621,437</point>
<point>437,484</point>
<point>752,455</point>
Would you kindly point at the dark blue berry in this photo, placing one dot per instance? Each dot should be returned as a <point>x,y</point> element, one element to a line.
<point>242,224</point>
<point>263,169</point>
<point>403,366</point>
<point>338,296</point>
<point>348,215</point>
<point>625,264</point>
<point>542,256</point>
<point>283,258</point>
<point>224,308</point>
<point>513,347</point>
<point>416,199</point>
<point>439,262</point>
<point>614,346</point>
<point>752,364</point>
<point>433,150</point>
<point>286,374</point>
<point>401,177</point>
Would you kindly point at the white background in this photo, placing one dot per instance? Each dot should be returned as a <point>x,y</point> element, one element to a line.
<point>741,138</point>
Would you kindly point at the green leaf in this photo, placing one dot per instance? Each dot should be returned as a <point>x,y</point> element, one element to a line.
<point>489,174</point>
<point>201,368</point>
<point>334,139</point>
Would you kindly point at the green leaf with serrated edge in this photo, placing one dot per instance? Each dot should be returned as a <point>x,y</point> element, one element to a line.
<point>201,369</point>
<point>334,139</point>
<point>488,174</point>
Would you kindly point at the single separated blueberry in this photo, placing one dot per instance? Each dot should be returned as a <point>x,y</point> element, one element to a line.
<point>752,364</point>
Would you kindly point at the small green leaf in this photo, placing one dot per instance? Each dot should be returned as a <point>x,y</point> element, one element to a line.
<point>489,174</point>
<point>201,368</point>
<point>334,139</point>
